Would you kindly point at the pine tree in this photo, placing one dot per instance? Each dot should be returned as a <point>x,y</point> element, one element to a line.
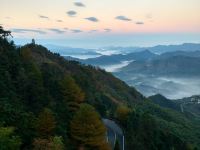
<point>46,123</point>
<point>72,93</point>
<point>122,113</point>
<point>55,143</point>
<point>58,143</point>
<point>87,128</point>
<point>4,33</point>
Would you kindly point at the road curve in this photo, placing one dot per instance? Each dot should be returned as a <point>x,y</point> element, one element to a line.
<point>114,133</point>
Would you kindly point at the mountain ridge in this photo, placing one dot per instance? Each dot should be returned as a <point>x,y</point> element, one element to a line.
<point>168,66</point>
<point>32,81</point>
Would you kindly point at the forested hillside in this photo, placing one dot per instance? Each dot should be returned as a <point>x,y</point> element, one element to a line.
<point>49,103</point>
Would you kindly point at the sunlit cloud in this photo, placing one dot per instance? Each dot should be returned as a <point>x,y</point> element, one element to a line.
<point>139,23</point>
<point>79,4</point>
<point>20,30</point>
<point>71,13</point>
<point>43,17</point>
<point>123,18</point>
<point>93,19</point>
<point>76,30</point>
<point>92,31</point>
<point>56,30</point>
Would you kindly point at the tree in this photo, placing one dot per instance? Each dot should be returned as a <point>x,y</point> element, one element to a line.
<point>58,143</point>
<point>7,140</point>
<point>105,146</point>
<point>72,93</point>
<point>122,113</point>
<point>55,143</point>
<point>42,144</point>
<point>87,128</point>
<point>46,123</point>
<point>4,33</point>
<point>25,53</point>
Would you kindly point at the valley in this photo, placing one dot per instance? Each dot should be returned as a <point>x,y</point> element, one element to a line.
<point>172,71</point>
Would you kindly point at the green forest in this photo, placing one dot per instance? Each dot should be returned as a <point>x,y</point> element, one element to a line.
<point>49,103</point>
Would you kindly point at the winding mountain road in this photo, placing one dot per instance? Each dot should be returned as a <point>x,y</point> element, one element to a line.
<point>114,133</point>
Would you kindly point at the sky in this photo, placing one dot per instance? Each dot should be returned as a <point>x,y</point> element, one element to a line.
<point>100,23</point>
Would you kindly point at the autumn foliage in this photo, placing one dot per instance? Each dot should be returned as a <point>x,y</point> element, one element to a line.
<point>46,123</point>
<point>87,128</point>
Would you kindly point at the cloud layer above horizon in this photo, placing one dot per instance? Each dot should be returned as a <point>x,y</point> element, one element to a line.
<point>107,17</point>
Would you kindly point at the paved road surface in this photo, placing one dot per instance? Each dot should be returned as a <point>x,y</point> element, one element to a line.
<point>114,133</point>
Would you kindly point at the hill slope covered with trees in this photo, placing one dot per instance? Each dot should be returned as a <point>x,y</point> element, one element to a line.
<point>44,99</point>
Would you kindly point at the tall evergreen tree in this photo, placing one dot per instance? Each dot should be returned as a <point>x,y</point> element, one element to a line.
<point>72,93</point>
<point>46,123</point>
<point>87,128</point>
<point>122,113</point>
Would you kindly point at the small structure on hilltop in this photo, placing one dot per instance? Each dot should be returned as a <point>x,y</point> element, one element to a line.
<point>33,41</point>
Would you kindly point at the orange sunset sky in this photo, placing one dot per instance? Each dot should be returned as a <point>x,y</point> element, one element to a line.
<point>71,19</point>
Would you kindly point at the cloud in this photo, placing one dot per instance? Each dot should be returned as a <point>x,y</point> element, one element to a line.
<point>59,20</point>
<point>139,23</point>
<point>123,18</point>
<point>92,31</point>
<point>43,17</point>
<point>71,13</point>
<point>93,19</point>
<point>27,30</point>
<point>107,30</point>
<point>66,28</point>
<point>56,30</point>
<point>76,30</point>
<point>79,4</point>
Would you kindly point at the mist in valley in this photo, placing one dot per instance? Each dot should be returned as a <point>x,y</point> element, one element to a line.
<point>170,87</point>
<point>115,67</point>
<point>148,85</point>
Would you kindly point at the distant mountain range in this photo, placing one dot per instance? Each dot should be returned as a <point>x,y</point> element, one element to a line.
<point>178,63</point>
<point>174,74</point>
<point>165,66</point>
<point>159,49</point>
<point>170,48</point>
<point>115,59</point>
<point>181,53</point>
<point>73,52</point>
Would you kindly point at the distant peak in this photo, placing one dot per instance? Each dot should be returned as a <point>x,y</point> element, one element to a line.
<point>158,96</point>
